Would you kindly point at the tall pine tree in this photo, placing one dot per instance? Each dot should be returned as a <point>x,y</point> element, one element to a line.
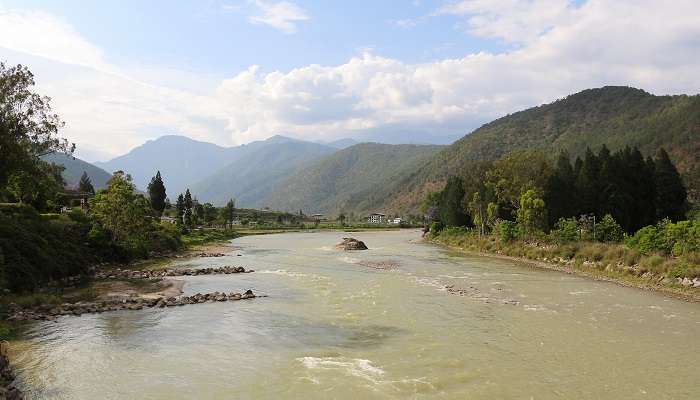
<point>85,184</point>
<point>188,208</point>
<point>451,203</point>
<point>156,193</point>
<point>670,192</point>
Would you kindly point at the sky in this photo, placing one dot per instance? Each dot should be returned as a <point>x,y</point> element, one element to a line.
<point>415,71</point>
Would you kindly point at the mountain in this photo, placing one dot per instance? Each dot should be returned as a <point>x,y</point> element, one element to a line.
<point>181,161</point>
<point>342,143</point>
<point>613,115</point>
<point>74,169</point>
<point>355,179</point>
<point>251,177</point>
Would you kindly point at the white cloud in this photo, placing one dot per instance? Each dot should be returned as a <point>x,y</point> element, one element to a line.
<point>282,15</point>
<point>517,21</point>
<point>654,47</point>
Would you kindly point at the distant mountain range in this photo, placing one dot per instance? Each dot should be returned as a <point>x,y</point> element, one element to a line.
<point>74,169</point>
<point>346,176</point>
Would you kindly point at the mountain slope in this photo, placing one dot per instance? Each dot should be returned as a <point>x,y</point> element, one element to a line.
<point>179,159</point>
<point>614,116</point>
<point>182,161</point>
<point>353,179</point>
<point>74,168</point>
<point>251,177</point>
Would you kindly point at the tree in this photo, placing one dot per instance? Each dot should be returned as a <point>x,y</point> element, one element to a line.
<point>341,218</point>
<point>180,207</point>
<point>532,214</point>
<point>121,211</point>
<point>28,128</point>
<point>451,203</point>
<point>156,193</point>
<point>229,211</point>
<point>85,184</point>
<point>559,190</point>
<point>479,212</point>
<point>671,195</point>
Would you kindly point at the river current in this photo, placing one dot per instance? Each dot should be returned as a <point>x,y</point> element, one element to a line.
<point>404,319</point>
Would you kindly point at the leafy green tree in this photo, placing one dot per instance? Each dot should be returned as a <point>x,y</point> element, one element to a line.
<point>38,185</point>
<point>479,212</point>
<point>532,214</point>
<point>507,231</point>
<point>187,216</point>
<point>156,193</point>
<point>28,127</point>
<point>85,184</point>
<point>210,213</point>
<point>513,175</point>
<point>451,203</point>
<point>671,195</point>
<point>124,213</point>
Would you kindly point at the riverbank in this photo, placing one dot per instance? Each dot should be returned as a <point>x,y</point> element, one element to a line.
<point>598,261</point>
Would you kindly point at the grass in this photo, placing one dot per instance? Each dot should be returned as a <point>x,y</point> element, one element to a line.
<point>604,260</point>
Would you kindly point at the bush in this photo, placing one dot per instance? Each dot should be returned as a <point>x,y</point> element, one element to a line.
<point>507,231</point>
<point>645,240</point>
<point>566,230</point>
<point>436,227</point>
<point>608,230</point>
<point>35,250</point>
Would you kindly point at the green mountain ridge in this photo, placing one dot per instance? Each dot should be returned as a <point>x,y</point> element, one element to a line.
<point>614,116</point>
<point>355,179</point>
<point>252,177</point>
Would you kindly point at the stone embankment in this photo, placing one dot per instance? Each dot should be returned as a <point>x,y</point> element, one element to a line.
<point>7,390</point>
<point>167,272</point>
<point>50,312</point>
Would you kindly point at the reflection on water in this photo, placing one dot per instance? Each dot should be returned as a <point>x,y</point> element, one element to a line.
<point>435,325</point>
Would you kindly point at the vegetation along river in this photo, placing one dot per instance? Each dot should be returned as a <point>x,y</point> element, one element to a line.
<point>404,319</point>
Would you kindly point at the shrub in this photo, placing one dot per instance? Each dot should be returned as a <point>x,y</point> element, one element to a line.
<point>436,227</point>
<point>507,231</point>
<point>645,240</point>
<point>608,230</point>
<point>566,230</point>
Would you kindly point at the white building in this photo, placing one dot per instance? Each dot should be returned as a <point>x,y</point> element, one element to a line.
<point>376,218</point>
<point>397,220</point>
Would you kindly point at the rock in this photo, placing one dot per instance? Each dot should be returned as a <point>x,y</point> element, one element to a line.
<point>696,282</point>
<point>686,282</point>
<point>351,244</point>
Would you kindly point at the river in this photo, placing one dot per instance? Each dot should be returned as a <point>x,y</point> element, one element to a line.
<point>402,320</point>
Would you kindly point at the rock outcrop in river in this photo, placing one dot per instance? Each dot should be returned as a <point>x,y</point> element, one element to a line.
<point>351,244</point>
<point>167,272</point>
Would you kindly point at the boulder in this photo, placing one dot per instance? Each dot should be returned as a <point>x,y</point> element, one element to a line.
<point>349,244</point>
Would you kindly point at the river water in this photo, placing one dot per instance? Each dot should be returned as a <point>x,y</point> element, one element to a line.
<point>402,320</point>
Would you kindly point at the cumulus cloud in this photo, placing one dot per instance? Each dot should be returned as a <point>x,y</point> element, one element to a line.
<point>282,15</point>
<point>654,47</point>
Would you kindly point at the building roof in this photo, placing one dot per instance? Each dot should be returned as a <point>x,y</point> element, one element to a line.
<point>383,215</point>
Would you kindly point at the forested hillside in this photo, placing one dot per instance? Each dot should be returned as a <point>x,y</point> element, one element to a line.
<point>614,116</point>
<point>251,177</point>
<point>358,178</point>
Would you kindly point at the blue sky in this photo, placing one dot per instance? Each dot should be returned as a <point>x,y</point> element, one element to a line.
<point>216,38</point>
<point>414,71</point>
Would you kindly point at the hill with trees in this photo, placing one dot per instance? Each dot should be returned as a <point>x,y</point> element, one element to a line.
<point>250,178</point>
<point>613,116</point>
<point>356,179</point>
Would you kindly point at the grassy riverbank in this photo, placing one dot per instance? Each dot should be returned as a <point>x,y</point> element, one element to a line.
<point>602,261</point>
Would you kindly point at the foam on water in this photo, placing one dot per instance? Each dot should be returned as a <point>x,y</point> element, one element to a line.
<point>359,367</point>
